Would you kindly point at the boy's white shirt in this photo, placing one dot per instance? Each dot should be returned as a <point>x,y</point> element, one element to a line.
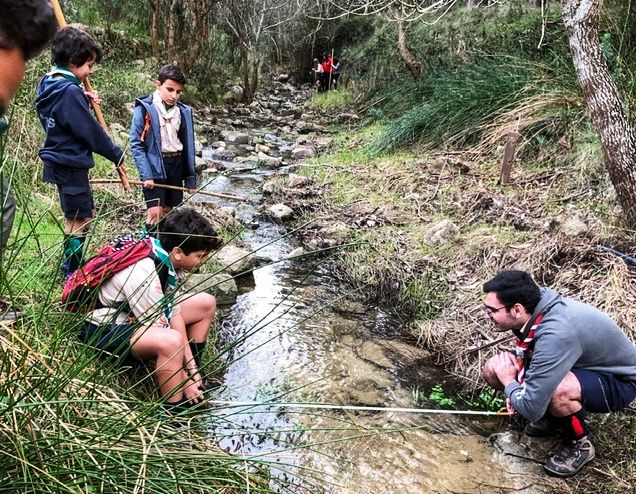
<point>138,285</point>
<point>170,122</point>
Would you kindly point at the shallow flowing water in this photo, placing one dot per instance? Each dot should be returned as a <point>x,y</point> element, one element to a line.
<point>300,336</point>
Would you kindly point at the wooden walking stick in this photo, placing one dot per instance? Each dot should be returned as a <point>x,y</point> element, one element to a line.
<point>173,187</point>
<point>330,68</point>
<point>121,171</point>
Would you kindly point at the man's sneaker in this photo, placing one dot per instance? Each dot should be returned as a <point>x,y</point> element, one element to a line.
<point>541,428</point>
<point>571,458</point>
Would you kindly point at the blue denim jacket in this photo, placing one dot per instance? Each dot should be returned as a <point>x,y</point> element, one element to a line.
<point>147,154</point>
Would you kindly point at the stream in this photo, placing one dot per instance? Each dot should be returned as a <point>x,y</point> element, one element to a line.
<point>297,335</point>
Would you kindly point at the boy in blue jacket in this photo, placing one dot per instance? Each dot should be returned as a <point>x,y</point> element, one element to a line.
<point>72,135</point>
<point>162,144</point>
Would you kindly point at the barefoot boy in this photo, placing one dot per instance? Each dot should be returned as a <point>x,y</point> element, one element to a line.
<point>137,316</point>
<point>73,134</point>
<point>162,143</point>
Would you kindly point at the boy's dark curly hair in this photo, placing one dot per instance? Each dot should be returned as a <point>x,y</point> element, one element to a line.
<point>73,45</point>
<point>171,72</point>
<point>188,230</point>
<point>28,24</point>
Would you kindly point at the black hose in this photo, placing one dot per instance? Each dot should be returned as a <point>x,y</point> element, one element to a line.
<point>619,253</point>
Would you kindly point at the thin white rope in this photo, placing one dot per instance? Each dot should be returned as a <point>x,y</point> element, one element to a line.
<point>330,406</point>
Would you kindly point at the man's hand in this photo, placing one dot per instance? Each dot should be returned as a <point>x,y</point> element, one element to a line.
<point>504,366</point>
<point>149,184</point>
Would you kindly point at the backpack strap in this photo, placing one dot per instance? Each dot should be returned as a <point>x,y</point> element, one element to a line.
<point>144,132</point>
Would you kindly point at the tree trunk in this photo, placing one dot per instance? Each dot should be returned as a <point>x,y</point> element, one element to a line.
<point>172,28</point>
<point>154,28</point>
<point>581,19</point>
<point>415,68</point>
<point>245,72</point>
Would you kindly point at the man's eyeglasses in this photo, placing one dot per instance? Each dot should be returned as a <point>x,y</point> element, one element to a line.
<point>492,310</point>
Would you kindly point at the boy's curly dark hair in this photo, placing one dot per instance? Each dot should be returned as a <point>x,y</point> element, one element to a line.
<point>28,24</point>
<point>171,72</point>
<point>188,230</point>
<point>73,45</point>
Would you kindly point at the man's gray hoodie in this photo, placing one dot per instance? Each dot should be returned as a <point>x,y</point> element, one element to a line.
<point>571,335</point>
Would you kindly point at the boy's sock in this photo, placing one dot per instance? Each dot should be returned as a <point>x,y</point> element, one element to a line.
<point>73,253</point>
<point>207,384</point>
<point>197,350</point>
<point>574,426</point>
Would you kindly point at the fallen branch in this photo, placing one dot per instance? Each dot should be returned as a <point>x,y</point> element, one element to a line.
<point>171,187</point>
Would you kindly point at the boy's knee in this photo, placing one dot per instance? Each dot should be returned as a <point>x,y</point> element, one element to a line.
<point>171,343</point>
<point>210,303</point>
<point>205,302</point>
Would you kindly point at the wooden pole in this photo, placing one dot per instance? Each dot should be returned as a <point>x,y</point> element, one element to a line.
<point>508,157</point>
<point>121,171</point>
<point>331,69</point>
<point>172,187</point>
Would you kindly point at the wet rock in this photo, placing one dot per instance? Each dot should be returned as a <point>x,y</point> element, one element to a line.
<point>224,154</point>
<point>300,152</point>
<point>347,117</point>
<point>269,187</point>
<point>268,161</point>
<point>235,137</point>
<point>294,180</point>
<point>443,232</point>
<point>234,95</point>
<point>228,211</point>
<point>574,224</point>
<point>119,135</point>
<point>299,251</point>
<point>305,127</point>
<point>236,260</point>
<point>515,450</point>
<point>408,353</point>
<point>280,212</point>
<point>374,353</point>
<point>221,285</point>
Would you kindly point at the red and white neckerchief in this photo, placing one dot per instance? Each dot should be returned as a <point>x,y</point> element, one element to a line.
<point>524,345</point>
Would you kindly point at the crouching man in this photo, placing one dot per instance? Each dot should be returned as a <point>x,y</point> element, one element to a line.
<point>569,359</point>
<point>137,317</point>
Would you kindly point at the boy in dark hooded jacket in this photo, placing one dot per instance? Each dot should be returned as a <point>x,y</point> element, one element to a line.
<point>72,135</point>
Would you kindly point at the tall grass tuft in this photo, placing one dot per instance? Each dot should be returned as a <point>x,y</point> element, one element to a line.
<point>456,107</point>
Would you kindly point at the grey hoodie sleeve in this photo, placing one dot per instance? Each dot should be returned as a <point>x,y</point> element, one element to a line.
<point>556,350</point>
